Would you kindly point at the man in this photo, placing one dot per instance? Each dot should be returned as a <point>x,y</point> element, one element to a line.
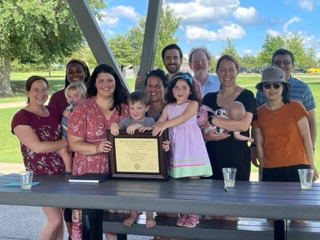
<point>171,59</point>
<point>199,62</point>
<point>300,91</point>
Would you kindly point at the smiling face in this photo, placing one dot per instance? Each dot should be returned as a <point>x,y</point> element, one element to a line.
<point>155,89</point>
<point>285,63</point>
<point>181,91</point>
<point>199,63</point>
<point>172,61</point>
<point>271,92</point>
<point>137,110</point>
<point>75,72</point>
<point>38,93</point>
<point>105,84</point>
<point>227,73</point>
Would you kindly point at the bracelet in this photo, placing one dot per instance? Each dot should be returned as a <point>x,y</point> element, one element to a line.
<point>253,145</point>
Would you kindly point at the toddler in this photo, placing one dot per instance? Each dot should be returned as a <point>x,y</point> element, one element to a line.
<point>75,93</point>
<point>138,103</point>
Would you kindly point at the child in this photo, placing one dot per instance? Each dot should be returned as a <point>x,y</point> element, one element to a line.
<point>75,93</point>
<point>139,103</point>
<point>235,111</point>
<point>189,157</point>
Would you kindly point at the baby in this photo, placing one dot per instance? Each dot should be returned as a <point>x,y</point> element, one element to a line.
<point>138,103</point>
<point>75,93</point>
<point>235,111</point>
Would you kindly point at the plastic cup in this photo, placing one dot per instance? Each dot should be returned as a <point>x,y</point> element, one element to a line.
<point>306,177</point>
<point>26,179</point>
<point>229,176</point>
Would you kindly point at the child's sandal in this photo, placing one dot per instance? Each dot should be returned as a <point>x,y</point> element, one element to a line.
<point>182,220</point>
<point>192,221</point>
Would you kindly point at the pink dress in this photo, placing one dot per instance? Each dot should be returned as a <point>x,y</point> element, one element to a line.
<point>189,155</point>
<point>88,121</point>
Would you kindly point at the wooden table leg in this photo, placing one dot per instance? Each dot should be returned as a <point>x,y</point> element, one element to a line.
<point>92,224</point>
<point>280,230</point>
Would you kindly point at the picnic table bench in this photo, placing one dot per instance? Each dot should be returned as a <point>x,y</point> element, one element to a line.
<point>268,200</point>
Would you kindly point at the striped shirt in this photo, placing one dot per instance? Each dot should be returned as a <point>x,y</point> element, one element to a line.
<point>300,92</point>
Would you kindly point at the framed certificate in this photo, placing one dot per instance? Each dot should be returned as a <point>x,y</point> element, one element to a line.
<point>138,156</point>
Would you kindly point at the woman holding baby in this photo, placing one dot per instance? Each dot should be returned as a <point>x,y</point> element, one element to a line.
<point>223,148</point>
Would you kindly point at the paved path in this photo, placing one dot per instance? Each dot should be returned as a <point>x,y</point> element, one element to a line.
<point>12,105</point>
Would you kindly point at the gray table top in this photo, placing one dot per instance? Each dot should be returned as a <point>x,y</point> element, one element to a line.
<point>248,199</point>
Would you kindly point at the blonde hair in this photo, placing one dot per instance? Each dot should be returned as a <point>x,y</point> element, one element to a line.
<point>77,86</point>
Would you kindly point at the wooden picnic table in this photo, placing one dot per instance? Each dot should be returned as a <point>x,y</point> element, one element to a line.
<point>272,200</point>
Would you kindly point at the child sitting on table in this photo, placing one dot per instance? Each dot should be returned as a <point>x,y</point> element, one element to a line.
<point>75,93</point>
<point>235,111</point>
<point>138,103</point>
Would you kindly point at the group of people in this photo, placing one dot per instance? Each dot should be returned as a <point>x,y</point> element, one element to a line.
<point>282,117</point>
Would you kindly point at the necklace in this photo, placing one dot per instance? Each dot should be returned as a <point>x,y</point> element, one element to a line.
<point>273,108</point>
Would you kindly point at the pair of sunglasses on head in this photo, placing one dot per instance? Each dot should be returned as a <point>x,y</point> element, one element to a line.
<point>275,85</point>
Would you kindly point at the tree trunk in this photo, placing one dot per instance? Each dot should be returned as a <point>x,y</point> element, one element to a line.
<point>5,88</point>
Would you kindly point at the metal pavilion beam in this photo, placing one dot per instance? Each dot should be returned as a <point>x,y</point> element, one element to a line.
<point>99,45</point>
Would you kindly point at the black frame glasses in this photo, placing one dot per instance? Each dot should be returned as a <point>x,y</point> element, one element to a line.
<point>275,85</point>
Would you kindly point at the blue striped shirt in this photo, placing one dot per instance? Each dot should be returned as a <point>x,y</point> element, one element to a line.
<point>300,92</point>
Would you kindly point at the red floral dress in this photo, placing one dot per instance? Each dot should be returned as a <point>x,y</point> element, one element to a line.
<point>88,121</point>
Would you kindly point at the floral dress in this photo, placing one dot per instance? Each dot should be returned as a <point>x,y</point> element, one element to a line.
<point>88,121</point>
<point>46,129</point>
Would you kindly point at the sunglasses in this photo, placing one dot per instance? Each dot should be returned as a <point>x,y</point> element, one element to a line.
<point>285,62</point>
<point>275,85</point>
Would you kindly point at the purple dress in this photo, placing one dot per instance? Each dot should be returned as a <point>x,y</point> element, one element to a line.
<point>47,129</point>
<point>189,155</point>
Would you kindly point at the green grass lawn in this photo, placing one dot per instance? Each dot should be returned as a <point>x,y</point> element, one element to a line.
<point>10,150</point>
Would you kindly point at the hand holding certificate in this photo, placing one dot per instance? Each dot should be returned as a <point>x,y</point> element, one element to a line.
<point>139,156</point>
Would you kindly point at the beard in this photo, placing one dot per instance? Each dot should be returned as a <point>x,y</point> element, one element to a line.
<point>173,68</point>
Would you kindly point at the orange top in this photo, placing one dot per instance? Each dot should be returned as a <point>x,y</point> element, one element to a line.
<point>282,142</point>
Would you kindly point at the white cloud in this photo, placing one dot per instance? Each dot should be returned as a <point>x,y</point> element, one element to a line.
<point>273,33</point>
<point>231,31</point>
<point>247,51</point>
<point>112,15</point>
<point>292,20</point>
<point>306,4</point>
<point>203,11</point>
<point>246,15</point>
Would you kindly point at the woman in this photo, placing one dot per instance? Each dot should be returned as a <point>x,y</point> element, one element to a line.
<point>88,124</point>
<point>76,70</point>
<point>223,149</point>
<point>155,86</point>
<point>38,129</point>
<point>282,131</point>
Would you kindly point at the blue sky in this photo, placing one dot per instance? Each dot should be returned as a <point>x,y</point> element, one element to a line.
<point>210,22</point>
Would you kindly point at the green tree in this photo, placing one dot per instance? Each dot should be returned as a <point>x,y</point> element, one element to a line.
<point>133,40</point>
<point>122,50</point>
<point>37,31</point>
<point>269,46</point>
<point>230,49</point>
<point>249,61</point>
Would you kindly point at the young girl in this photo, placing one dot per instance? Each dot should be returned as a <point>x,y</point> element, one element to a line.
<point>189,157</point>
<point>75,93</point>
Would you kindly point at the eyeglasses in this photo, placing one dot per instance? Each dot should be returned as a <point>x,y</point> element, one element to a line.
<point>284,62</point>
<point>202,60</point>
<point>275,85</point>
